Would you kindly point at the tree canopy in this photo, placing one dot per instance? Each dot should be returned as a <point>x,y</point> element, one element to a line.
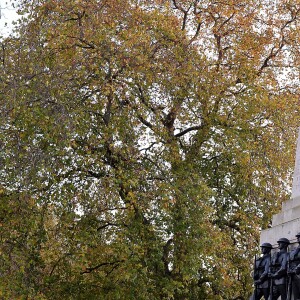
<point>144,145</point>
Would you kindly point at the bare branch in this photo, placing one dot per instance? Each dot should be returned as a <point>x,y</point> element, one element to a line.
<point>110,224</point>
<point>196,127</point>
<point>91,269</point>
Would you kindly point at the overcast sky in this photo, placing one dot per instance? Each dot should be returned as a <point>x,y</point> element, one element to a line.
<point>7,15</point>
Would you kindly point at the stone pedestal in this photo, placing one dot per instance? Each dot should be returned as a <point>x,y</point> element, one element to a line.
<point>287,223</point>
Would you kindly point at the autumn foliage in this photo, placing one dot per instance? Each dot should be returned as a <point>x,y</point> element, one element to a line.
<point>144,145</point>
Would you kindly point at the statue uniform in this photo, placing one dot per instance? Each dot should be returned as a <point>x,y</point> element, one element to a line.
<point>262,266</point>
<point>279,271</point>
<point>294,264</point>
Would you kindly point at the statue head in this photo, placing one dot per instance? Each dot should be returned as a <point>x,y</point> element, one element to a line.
<point>283,243</point>
<point>266,248</point>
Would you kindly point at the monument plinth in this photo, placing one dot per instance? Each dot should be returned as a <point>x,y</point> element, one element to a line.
<point>287,222</point>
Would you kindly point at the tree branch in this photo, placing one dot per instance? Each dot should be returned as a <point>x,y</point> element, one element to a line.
<point>196,127</point>
<point>91,269</point>
<point>111,224</point>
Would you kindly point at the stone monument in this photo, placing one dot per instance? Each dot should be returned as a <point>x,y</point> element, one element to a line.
<point>287,222</point>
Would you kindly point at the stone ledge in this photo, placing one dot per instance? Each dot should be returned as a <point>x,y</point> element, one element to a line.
<point>286,216</point>
<point>287,230</point>
<point>289,204</point>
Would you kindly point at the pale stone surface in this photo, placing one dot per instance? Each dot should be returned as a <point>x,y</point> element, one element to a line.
<point>287,223</point>
<point>287,230</point>
<point>286,216</point>
<point>294,202</point>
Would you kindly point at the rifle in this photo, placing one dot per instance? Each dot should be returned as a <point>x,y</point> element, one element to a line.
<point>290,278</point>
<point>255,273</point>
<point>271,283</point>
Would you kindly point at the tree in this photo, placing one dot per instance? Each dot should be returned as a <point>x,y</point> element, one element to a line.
<point>156,137</point>
<point>21,238</point>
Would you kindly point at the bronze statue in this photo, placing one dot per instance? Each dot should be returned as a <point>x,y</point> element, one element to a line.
<point>278,271</point>
<point>294,271</point>
<point>261,270</point>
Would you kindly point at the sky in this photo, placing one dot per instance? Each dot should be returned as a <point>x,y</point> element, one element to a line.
<point>7,16</point>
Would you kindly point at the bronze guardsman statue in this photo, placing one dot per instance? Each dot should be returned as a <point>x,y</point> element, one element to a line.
<point>294,271</point>
<point>261,270</point>
<point>278,271</point>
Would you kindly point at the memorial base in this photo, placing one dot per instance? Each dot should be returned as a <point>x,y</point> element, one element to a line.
<point>284,224</point>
